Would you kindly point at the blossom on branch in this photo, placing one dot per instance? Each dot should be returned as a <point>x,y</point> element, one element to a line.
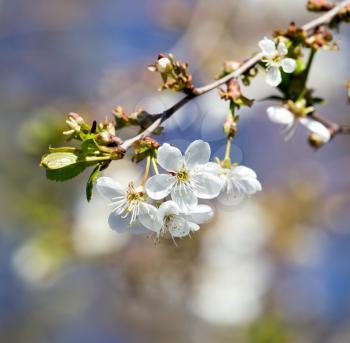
<point>237,181</point>
<point>283,116</point>
<point>168,219</point>
<point>274,57</point>
<point>187,179</point>
<point>128,206</point>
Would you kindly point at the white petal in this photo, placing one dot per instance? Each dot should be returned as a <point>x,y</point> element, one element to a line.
<point>239,186</point>
<point>282,49</point>
<point>267,46</point>
<point>243,171</point>
<point>197,153</point>
<point>214,168</point>
<point>250,185</point>
<point>184,197</point>
<point>150,219</point>
<point>288,65</point>
<point>168,208</point>
<point>121,225</point>
<point>200,214</point>
<point>108,188</point>
<point>206,185</point>
<point>180,228</point>
<point>159,186</point>
<point>193,226</point>
<point>169,157</point>
<point>273,76</point>
<point>280,115</point>
<point>317,128</point>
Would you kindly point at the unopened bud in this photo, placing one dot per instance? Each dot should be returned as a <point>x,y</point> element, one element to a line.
<point>315,140</point>
<point>76,117</point>
<point>230,127</point>
<point>231,66</point>
<point>319,5</point>
<point>104,137</point>
<point>164,65</point>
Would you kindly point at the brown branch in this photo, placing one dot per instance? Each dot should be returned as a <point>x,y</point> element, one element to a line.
<point>161,117</point>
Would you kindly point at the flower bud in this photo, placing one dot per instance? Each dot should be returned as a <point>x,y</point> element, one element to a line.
<point>319,5</point>
<point>315,140</point>
<point>230,127</point>
<point>231,66</point>
<point>74,122</point>
<point>76,117</point>
<point>164,65</point>
<point>104,137</point>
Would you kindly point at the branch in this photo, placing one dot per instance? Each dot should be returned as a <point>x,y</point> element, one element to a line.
<point>161,117</point>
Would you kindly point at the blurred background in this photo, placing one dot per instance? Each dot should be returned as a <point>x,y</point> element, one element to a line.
<point>275,268</point>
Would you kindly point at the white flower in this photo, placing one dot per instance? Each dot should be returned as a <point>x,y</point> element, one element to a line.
<point>238,181</point>
<point>168,219</point>
<point>274,57</point>
<point>187,179</point>
<point>127,206</point>
<point>282,115</point>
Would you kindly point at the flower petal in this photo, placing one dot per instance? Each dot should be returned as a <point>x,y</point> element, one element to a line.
<point>184,197</point>
<point>197,153</point>
<point>159,186</point>
<point>317,128</point>
<point>214,168</point>
<point>267,46</point>
<point>200,214</point>
<point>273,76</point>
<point>179,228</point>
<point>206,185</point>
<point>288,65</point>
<point>150,219</point>
<point>168,208</point>
<point>193,226</point>
<point>280,115</point>
<point>169,157</point>
<point>242,171</point>
<point>282,49</point>
<point>250,185</point>
<point>108,188</point>
<point>121,225</point>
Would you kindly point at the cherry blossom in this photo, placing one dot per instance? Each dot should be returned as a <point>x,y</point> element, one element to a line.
<point>169,219</point>
<point>281,115</point>
<point>274,57</point>
<point>128,205</point>
<point>187,179</point>
<point>238,181</point>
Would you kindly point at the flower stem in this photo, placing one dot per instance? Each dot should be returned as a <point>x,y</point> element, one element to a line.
<point>155,167</point>
<point>147,167</point>
<point>227,159</point>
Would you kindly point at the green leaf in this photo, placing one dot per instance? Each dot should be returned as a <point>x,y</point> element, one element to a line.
<point>58,160</point>
<point>89,146</point>
<point>66,173</point>
<point>92,180</point>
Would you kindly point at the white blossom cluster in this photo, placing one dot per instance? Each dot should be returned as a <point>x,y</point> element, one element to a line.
<point>168,203</point>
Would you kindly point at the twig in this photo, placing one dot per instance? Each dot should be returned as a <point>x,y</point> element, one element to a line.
<point>161,117</point>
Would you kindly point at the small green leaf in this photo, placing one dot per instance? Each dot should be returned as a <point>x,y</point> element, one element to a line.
<point>58,160</point>
<point>92,180</point>
<point>66,173</point>
<point>63,149</point>
<point>89,146</point>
